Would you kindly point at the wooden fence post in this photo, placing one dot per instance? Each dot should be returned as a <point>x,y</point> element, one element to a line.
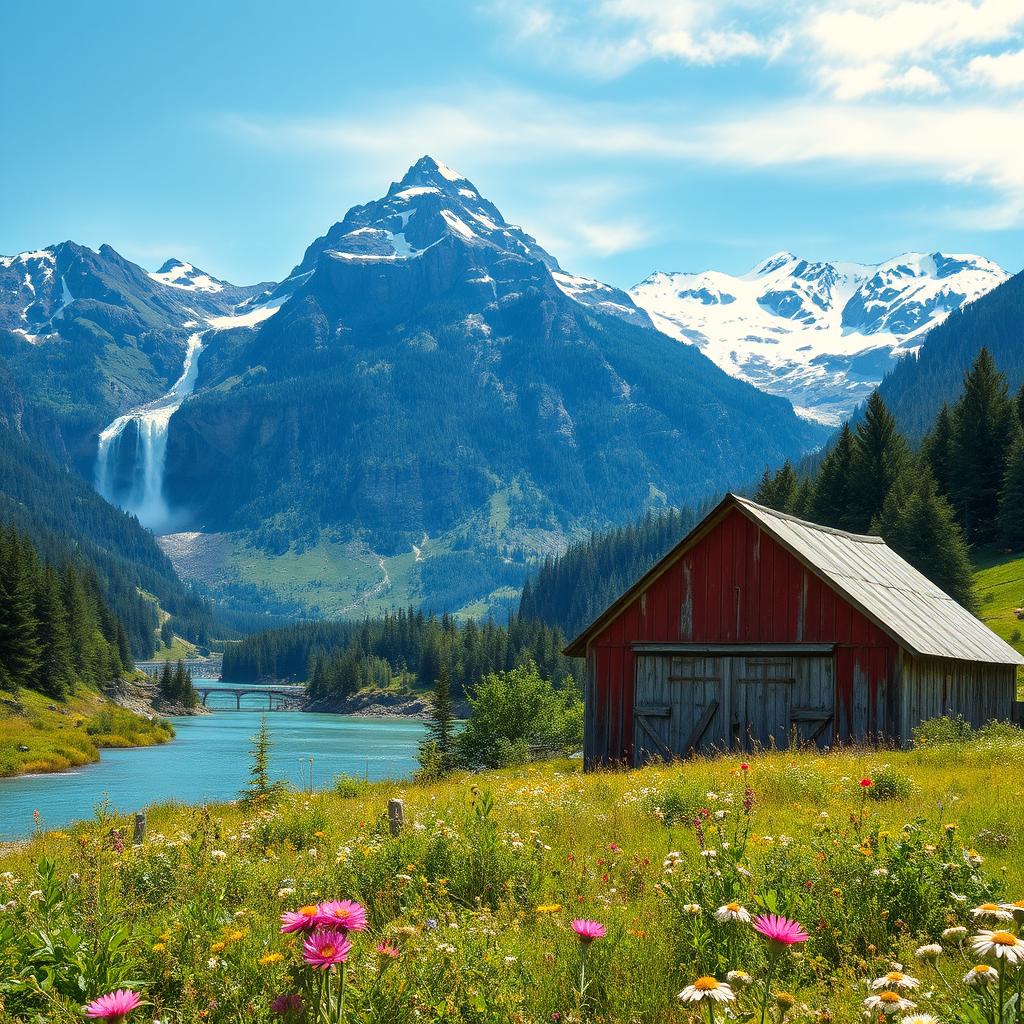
<point>396,815</point>
<point>140,829</point>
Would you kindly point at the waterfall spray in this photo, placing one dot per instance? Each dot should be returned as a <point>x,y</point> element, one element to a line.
<point>144,497</point>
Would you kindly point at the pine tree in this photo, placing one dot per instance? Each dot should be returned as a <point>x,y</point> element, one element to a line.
<point>19,644</point>
<point>778,490</point>
<point>985,426</point>
<point>938,449</point>
<point>77,615</point>
<point>261,789</point>
<point>880,456</point>
<point>803,501</point>
<point>1011,500</point>
<point>831,503</point>
<point>439,728</point>
<point>919,524</point>
<point>166,685</point>
<point>55,673</point>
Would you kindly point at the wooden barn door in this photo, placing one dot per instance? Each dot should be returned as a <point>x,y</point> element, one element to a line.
<point>762,695</point>
<point>678,706</point>
<point>774,697</point>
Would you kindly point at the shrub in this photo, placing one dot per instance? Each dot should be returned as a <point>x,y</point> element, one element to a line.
<point>513,711</point>
<point>297,828</point>
<point>679,802</point>
<point>889,784</point>
<point>997,730</point>
<point>349,787</point>
<point>935,731</point>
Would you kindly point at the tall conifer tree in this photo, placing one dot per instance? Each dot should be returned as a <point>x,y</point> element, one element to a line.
<point>55,674</point>
<point>938,449</point>
<point>831,503</point>
<point>880,456</point>
<point>985,426</point>
<point>918,523</point>
<point>1011,500</point>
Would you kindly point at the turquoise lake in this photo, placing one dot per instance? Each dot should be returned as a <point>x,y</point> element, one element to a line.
<point>209,760</point>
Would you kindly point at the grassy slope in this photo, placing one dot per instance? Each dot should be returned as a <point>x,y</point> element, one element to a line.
<point>62,734</point>
<point>1000,584</point>
<point>588,846</point>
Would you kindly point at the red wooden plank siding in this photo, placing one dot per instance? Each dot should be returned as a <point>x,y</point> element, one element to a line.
<point>747,588</point>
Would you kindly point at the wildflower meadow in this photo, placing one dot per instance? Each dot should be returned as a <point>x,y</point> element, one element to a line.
<point>850,886</point>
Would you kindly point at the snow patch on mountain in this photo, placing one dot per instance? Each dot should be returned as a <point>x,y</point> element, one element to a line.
<point>179,274</point>
<point>822,334</point>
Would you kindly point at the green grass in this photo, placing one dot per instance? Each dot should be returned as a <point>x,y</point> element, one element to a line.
<point>64,734</point>
<point>1000,584</point>
<point>999,580</point>
<point>478,890</point>
<point>179,648</point>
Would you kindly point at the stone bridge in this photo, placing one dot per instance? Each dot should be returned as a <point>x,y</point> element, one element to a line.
<point>285,696</point>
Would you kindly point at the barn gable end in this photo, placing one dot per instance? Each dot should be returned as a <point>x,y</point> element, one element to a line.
<point>733,584</point>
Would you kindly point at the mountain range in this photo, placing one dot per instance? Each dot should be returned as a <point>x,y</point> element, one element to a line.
<point>823,335</point>
<point>429,402</point>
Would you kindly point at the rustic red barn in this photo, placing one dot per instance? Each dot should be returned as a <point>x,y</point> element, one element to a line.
<point>759,626</point>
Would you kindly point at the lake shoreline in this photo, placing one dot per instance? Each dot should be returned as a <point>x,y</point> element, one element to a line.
<point>208,761</point>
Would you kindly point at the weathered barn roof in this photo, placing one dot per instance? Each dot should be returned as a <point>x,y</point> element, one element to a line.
<point>865,571</point>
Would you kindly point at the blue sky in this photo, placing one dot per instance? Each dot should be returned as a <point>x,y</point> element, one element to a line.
<point>626,135</point>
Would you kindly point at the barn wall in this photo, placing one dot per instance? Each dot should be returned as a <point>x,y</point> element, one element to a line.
<point>738,585</point>
<point>940,686</point>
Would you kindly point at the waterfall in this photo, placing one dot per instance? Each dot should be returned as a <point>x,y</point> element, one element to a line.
<point>141,491</point>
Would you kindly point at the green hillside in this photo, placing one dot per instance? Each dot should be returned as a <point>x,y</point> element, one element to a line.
<point>1000,584</point>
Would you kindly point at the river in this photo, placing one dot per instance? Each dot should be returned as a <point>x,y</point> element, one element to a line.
<point>209,760</point>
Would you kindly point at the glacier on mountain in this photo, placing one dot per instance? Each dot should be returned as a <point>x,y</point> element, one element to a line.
<point>822,334</point>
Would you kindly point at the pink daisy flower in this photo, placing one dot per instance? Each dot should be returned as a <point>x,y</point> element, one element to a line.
<point>588,930</point>
<point>347,915</point>
<point>780,930</point>
<point>326,949</point>
<point>114,1006</point>
<point>386,949</point>
<point>302,920</point>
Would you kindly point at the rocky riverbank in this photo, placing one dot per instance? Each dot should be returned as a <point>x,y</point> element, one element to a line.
<point>142,697</point>
<point>381,704</point>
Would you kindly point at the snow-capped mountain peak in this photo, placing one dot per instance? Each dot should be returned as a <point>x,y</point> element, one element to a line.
<point>179,274</point>
<point>822,334</point>
<point>434,204</point>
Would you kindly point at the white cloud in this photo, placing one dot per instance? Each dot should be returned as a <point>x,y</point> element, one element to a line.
<point>612,37</point>
<point>1003,70</point>
<point>857,81</point>
<point>889,30</point>
<point>610,239</point>
<point>850,48</point>
<point>968,144</point>
<point>976,144</point>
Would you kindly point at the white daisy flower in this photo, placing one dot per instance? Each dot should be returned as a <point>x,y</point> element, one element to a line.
<point>932,951</point>
<point>888,1002</point>
<point>981,975</point>
<point>739,978</point>
<point>895,979</point>
<point>732,912</point>
<point>1003,945</point>
<point>955,933</point>
<point>707,988</point>
<point>920,1018</point>
<point>991,912</point>
<point>691,908</point>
